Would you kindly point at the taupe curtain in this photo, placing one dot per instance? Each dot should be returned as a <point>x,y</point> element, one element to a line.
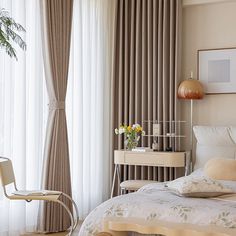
<point>56,27</point>
<point>146,71</point>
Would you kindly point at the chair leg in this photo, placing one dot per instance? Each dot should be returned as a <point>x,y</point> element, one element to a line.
<point>122,191</point>
<point>76,210</point>
<point>70,214</point>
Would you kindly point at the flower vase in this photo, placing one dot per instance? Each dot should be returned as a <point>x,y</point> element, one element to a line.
<point>131,142</point>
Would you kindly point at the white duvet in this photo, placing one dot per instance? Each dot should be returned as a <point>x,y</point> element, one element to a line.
<point>155,202</point>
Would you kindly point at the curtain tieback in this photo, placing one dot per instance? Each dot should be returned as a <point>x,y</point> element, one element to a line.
<point>57,105</point>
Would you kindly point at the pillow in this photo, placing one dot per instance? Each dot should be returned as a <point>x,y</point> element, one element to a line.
<point>221,169</point>
<point>213,142</point>
<point>191,186</point>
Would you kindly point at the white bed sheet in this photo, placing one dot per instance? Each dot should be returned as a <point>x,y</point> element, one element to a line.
<point>155,202</point>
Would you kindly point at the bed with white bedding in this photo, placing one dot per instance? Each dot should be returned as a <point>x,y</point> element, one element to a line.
<point>156,203</point>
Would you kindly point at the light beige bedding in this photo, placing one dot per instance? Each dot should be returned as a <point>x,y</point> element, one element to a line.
<point>155,202</point>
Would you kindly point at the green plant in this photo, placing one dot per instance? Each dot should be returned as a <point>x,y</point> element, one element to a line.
<point>8,35</point>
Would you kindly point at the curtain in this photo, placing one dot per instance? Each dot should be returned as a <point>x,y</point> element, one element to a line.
<point>146,71</point>
<point>23,112</point>
<point>23,105</point>
<point>56,20</point>
<point>88,102</point>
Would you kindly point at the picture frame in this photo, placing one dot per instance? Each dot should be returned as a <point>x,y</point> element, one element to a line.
<point>217,70</point>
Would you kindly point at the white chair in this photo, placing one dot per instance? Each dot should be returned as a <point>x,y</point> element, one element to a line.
<point>7,177</point>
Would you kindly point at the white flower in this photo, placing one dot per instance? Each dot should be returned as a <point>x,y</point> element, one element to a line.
<point>121,130</point>
<point>143,132</point>
<point>116,131</point>
<point>135,126</point>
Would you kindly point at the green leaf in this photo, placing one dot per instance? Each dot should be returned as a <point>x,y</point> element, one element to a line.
<point>9,35</point>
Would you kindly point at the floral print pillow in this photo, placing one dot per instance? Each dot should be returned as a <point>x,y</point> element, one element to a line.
<point>192,186</point>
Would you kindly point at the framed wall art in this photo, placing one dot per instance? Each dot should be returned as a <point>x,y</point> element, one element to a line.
<point>217,70</point>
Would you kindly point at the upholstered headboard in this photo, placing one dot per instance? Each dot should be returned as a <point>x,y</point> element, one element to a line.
<point>214,142</point>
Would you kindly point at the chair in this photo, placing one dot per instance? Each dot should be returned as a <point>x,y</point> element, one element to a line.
<point>7,177</point>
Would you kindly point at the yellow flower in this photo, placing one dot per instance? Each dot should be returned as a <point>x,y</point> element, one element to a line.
<point>138,129</point>
<point>129,128</point>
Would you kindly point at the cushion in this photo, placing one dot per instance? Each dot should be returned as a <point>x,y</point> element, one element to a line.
<point>213,142</point>
<point>135,184</point>
<point>221,169</point>
<point>191,186</point>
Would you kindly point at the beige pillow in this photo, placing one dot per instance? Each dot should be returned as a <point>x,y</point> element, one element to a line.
<point>221,169</point>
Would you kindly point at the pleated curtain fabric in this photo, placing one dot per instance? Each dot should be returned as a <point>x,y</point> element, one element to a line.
<point>146,72</point>
<point>56,18</point>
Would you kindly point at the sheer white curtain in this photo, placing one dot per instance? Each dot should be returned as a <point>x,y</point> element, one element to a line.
<point>23,109</point>
<point>22,116</point>
<point>88,102</point>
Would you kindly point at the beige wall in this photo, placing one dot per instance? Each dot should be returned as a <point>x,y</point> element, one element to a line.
<point>208,26</point>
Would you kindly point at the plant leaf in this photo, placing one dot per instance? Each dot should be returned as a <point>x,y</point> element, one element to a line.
<point>8,34</point>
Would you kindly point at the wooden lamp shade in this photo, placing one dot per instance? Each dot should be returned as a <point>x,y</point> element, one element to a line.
<point>190,89</point>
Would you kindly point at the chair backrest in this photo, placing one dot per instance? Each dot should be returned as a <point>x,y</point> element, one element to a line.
<point>6,172</point>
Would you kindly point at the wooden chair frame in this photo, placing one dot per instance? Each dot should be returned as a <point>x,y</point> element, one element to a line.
<point>7,177</point>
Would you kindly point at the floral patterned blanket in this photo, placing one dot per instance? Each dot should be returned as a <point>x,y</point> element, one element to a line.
<point>156,202</point>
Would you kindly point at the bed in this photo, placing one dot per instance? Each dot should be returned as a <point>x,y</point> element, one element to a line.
<point>154,209</point>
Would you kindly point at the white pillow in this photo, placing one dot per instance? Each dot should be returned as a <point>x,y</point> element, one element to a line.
<point>213,142</point>
<point>232,133</point>
<point>193,186</point>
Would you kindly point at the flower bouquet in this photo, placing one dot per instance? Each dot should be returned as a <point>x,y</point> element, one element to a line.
<point>132,135</point>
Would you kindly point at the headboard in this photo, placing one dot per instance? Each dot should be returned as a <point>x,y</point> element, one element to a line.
<point>214,142</point>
